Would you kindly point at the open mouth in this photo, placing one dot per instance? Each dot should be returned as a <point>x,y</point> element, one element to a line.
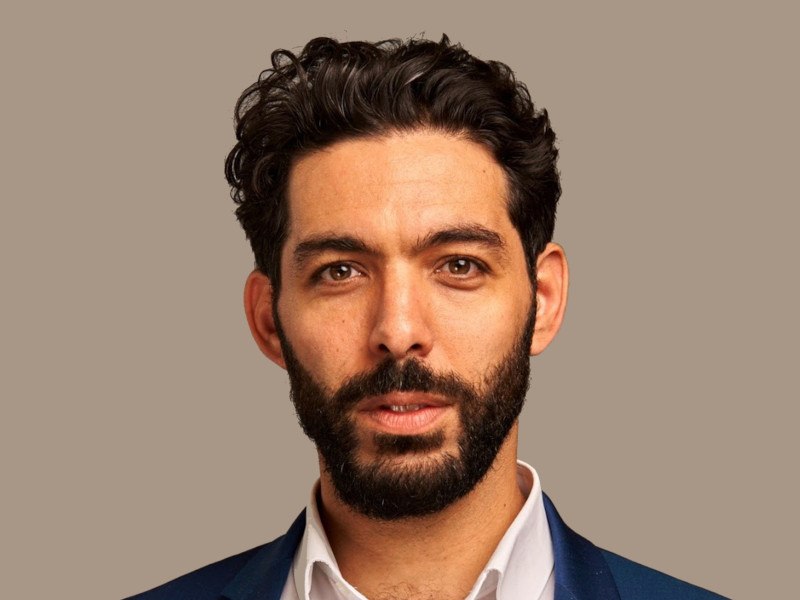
<point>401,408</point>
<point>404,413</point>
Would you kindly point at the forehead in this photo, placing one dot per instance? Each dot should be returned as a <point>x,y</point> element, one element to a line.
<point>397,187</point>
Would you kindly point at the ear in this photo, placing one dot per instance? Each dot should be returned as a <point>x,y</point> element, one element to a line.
<point>552,281</point>
<point>258,308</point>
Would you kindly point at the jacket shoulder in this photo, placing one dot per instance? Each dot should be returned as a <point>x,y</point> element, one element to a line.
<point>637,582</point>
<point>263,569</point>
<point>205,583</point>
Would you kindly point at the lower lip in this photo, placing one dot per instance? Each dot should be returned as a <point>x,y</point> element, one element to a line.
<point>409,422</point>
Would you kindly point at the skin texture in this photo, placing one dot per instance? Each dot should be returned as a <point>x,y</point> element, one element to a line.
<point>393,288</point>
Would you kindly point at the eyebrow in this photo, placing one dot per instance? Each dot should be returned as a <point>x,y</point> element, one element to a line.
<point>318,244</point>
<point>470,233</point>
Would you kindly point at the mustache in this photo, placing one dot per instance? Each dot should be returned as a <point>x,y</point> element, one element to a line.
<point>409,376</point>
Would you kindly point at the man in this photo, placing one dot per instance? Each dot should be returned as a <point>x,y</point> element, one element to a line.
<point>400,201</point>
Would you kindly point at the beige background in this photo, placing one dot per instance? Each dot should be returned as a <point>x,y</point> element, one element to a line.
<point>143,435</point>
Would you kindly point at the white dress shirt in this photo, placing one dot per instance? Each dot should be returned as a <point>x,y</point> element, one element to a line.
<point>520,567</point>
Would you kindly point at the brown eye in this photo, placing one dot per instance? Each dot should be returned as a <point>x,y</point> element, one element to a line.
<point>340,272</point>
<point>459,266</point>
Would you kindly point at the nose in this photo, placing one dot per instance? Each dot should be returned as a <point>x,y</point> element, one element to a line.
<point>401,324</point>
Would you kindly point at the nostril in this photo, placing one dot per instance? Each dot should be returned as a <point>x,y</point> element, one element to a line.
<point>384,349</point>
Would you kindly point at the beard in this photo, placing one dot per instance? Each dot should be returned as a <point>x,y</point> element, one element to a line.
<point>388,489</point>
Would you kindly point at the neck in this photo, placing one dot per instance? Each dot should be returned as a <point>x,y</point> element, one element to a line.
<point>440,555</point>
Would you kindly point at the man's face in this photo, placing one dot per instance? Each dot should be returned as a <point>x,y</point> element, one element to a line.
<point>405,314</point>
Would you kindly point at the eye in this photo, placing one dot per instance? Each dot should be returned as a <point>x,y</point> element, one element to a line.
<point>462,268</point>
<point>337,272</point>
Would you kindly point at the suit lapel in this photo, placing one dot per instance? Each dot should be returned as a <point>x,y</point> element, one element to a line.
<point>581,570</point>
<point>264,576</point>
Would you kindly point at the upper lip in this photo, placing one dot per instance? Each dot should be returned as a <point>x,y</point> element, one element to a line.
<point>402,399</point>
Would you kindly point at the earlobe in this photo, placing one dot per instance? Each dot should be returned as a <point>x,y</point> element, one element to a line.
<point>258,308</point>
<point>552,283</point>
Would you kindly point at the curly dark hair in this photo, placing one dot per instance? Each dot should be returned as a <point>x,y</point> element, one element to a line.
<point>333,91</point>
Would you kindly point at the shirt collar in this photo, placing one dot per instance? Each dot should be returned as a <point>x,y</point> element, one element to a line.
<point>523,560</point>
<point>520,565</point>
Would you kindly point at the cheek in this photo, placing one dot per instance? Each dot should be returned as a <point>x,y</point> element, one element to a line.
<point>473,337</point>
<point>325,340</point>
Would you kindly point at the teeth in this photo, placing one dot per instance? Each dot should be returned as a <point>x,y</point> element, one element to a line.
<point>404,408</point>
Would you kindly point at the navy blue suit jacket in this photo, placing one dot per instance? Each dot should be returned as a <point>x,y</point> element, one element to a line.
<point>583,572</point>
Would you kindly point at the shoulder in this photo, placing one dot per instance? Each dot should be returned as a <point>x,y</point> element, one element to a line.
<point>637,582</point>
<point>584,571</point>
<point>264,568</point>
<point>205,583</point>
